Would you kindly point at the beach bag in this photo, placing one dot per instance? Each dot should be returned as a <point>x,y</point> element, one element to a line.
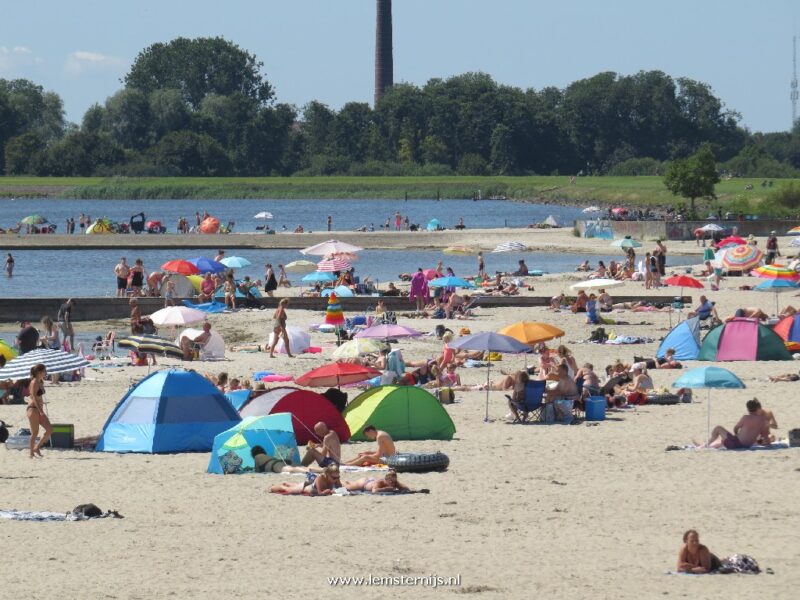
<point>495,356</point>
<point>740,563</point>
<point>599,335</point>
<point>445,395</point>
<point>563,411</point>
<point>87,511</point>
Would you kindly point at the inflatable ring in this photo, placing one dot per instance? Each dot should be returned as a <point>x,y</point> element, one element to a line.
<point>663,399</point>
<point>418,463</point>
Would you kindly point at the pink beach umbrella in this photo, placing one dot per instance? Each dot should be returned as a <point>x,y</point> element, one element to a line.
<point>387,331</point>
<point>332,265</point>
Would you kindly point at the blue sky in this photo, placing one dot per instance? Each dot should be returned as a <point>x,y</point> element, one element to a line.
<point>323,49</point>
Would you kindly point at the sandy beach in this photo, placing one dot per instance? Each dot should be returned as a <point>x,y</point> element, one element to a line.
<point>593,510</point>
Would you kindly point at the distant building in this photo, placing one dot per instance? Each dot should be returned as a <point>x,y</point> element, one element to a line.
<point>384,63</point>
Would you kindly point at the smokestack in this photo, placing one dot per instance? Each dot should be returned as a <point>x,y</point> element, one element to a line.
<point>384,64</point>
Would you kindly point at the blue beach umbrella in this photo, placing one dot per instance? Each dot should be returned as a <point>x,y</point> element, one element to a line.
<point>341,291</point>
<point>434,225</point>
<point>319,276</point>
<point>274,433</point>
<point>626,243</point>
<point>777,286</point>
<point>451,282</point>
<point>709,378</point>
<point>489,341</point>
<point>235,262</point>
<point>206,265</point>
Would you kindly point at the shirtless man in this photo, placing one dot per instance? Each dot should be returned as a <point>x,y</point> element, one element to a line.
<point>565,388</point>
<point>750,428</point>
<point>122,270</point>
<point>187,344</point>
<point>329,453</point>
<point>385,448</point>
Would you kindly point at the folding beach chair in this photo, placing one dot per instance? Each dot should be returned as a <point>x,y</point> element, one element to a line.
<point>533,403</point>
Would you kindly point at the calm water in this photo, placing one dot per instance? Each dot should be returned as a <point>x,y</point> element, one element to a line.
<point>46,273</point>
<point>312,214</point>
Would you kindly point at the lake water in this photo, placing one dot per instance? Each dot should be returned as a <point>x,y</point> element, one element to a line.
<point>312,214</point>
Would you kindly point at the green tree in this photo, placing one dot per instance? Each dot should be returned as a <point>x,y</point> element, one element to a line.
<point>127,119</point>
<point>503,155</point>
<point>80,153</point>
<point>198,67</point>
<point>191,154</point>
<point>23,152</point>
<point>693,177</point>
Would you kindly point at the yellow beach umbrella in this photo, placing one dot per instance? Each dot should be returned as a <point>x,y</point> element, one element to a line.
<point>357,347</point>
<point>531,332</point>
<point>196,280</point>
<point>7,351</point>
<point>300,266</point>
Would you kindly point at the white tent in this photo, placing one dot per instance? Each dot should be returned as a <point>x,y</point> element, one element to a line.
<point>551,220</point>
<point>299,340</point>
<point>183,287</point>
<point>214,349</point>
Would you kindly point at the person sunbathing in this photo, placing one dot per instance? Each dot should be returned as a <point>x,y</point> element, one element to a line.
<point>773,424</point>
<point>321,485</point>
<point>374,485</point>
<point>558,302</point>
<point>668,362</point>
<point>750,428</point>
<point>635,392</point>
<point>788,311</point>
<point>748,312</point>
<point>694,557</point>
<point>583,267</point>
<point>385,448</point>
<point>264,463</point>
<point>784,377</point>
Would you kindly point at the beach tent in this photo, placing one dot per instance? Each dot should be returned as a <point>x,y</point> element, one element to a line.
<point>100,226</point>
<point>168,411</point>
<point>404,412</point>
<point>299,340</point>
<point>308,408</point>
<point>274,433</point>
<point>434,225</point>
<point>788,329</point>
<point>214,349</point>
<point>551,221</point>
<point>743,339</point>
<point>220,293</point>
<point>184,288</point>
<point>684,338</point>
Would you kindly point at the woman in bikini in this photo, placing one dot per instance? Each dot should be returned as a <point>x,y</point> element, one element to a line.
<point>279,328</point>
<point>373,484</point>
<point>230,292</point>
<point>137,277</point>
<point>35,410</point>
<point>322,485</point>
<point>694,557</point>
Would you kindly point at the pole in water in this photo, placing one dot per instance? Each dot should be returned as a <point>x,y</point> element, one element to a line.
<point>438,195</point>
<point>406,196</point>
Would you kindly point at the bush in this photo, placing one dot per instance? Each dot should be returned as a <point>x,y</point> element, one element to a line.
<point>787,197</point>
<point>472,164</point>
<point>637,167</point>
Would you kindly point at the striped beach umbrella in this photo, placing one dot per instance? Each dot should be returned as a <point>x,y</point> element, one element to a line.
<point>732,240</point>
<point>511,247</point>
<point>152,344</point>
<point>776,272</point>
<point>332,265</point>
<point>794,230</point>
<point>741,258</point>
<point>55,361</point>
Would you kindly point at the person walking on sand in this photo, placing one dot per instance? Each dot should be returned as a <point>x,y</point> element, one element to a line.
<point>64,319</point>
<point>283,279</point>
<point>419,290</point>
<point>9,265</point>
<point>279,328</point>
<point>122,270</point>
<point>35,410</point>
<point>270,282</point>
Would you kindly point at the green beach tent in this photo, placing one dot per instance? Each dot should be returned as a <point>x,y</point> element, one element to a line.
<point>404,412</point>
<point>743,339</point>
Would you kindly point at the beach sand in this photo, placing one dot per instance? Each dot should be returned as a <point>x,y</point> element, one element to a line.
<point>581,511</point>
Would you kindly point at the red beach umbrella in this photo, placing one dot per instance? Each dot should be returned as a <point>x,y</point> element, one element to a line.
<point>182,267</point>
<point>336,374</point>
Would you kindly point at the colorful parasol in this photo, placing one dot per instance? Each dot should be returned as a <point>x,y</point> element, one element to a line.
<point>333,313</point>
<point>733,240</point>
<point>776,272</point>
<point>741,258</point>
<point>333,265</point>
<point>794,230</point>
<point>300,266</point>
<point>330,247</point>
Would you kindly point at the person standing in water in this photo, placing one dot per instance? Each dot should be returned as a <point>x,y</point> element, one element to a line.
<point>9,265</point>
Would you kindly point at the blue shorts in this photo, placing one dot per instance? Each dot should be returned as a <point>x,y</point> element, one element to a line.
<point>327,462</point>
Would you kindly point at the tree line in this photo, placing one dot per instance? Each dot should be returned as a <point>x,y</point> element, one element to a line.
<point>202,107</point>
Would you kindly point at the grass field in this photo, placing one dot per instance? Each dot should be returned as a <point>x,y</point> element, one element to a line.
<point>629,191</point>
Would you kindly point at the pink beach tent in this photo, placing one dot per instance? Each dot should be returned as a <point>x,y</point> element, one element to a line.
<point>743,339</point>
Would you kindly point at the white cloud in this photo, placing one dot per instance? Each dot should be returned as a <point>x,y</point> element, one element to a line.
<point>17,57</point>
<point>82,61</point>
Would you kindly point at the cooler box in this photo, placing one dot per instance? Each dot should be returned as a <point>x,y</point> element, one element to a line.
<point>63,435</point>
<point>596,408</point>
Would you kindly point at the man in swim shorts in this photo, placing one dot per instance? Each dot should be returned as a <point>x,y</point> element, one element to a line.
<point>122,270</point>
<point>329,453</point>
<point>385,448</point>
<point>749,428</point>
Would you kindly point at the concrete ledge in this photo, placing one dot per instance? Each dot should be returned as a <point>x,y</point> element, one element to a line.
<point>100,309</point>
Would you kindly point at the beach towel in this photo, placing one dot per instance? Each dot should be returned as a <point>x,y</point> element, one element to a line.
<point>209,307</point>
<point>43,515</point>
<point>776,445</point>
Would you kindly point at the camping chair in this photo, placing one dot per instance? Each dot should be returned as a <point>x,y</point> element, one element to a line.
<point>104,349</point>
<point>533,403</point>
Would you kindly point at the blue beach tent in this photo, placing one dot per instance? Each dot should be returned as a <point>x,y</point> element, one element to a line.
<point>168,411</point>
<point>684,338</point>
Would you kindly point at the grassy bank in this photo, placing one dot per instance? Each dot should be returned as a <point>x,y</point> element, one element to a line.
<point>629,191</point>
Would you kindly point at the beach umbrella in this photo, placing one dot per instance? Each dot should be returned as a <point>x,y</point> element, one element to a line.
<point>386,331</point>
<point>264,214</point>
<point>596,284</point>
<point>232,448</point>
<point>434,225</point>
<point>350,257</point>
<point>511,247</point>
<point>7,351</point>
<point>532,332</point>
<point>206,265</point>
<point>340,290</point>
<point>711,227</point>
<point>318,276</point>
<point>430,274</point>
<point>209,225</point>
<point>451,282</point>
<point>794,230</point>
<point>55,361</point>
<point>182,267</point>
<point>626,243</point>
<point>358,347</point>
<point>300,266</point>
<point>460,250</point>
<point>741,258</point>
<point>592,209</point>
<point>682,281</point>
<point>333,312</point>
<point>330,247</point>
<point>332,265</point>
<point>488,341</point>
<point>776,272</point>
<point>732,240</point>
<point>177,315</point>
<point>152,344</point>
<point>777,286</point>
<point>235,262</point>
<point>336,374</point>
<point>709,378</point>
<point>34,220</point>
